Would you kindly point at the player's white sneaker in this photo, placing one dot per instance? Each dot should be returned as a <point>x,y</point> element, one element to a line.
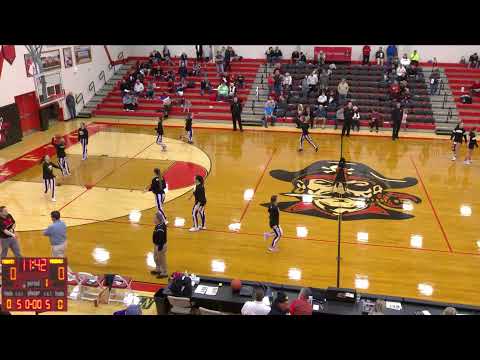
<point>272,249</point>
<point>454,158</point>
<point>53,199</point>
<point>203,228</point>
<point>166,222</point>
<point>192,229</point>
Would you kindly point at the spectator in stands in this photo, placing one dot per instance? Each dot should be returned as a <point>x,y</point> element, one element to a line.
<point>240,81</point>
<point>302,59</point>
<point>205,86</point>
<point>391,53</point>
<point>463,61</point>
<point>227,57</point>
<point>277,83</point>
<point>415,58</point>
<point>277,54</point>
<point>233,55</point>
<point>232,90</point>
<point>475,89</point>
<point>167,104</point>
<point>366,55</point>
<point>449,311</point>
<point>312,81</point>
<point>199,52</point>
<point>256,307</point>
<point>150,90</point>
<point>412,72</point>
<point>322,98</point>
<point>138,89</point>
<point>124,86</point>
<point>180,87</point>
<point>321,58</point>
<point>182,68</point>
<point>222,92</point>
<point>473,61</point>
<point>374,120</point>
<point>166,55</point>
<point>280,304</point>
<point>219,62</point>
<point>269,54</point>
<point>396,62</point>
<point>405,61</point>
<point>127,101</point>
<point>196,69</point>
<point>434,81</point>
<point>295,56</point>
<point>356,119</point>
<point>332,99</point>
<point>380,56</point>
<point>301,305</point>
<point>287,82</point>
<point>343,89</point>
<point>304,86</point>
<point>394,91</point>
<point>323,78</point>
<point>268,112</point>
<point>379,308</point>
<point>401,73</point>
<point>321,114</point>
<point>339,116</point>
<point>186,105</point>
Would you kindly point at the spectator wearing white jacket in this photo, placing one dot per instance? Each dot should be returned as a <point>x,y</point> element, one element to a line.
<point>138,88</point>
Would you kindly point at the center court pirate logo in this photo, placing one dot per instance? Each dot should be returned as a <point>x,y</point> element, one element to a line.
<point>367,197</point>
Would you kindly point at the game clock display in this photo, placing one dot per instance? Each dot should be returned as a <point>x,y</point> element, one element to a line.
<point>34,284</point>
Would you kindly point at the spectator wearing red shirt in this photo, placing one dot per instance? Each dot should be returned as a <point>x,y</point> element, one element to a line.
<point>366,55</point>
<point>301,305</point>
<point>475,89</point>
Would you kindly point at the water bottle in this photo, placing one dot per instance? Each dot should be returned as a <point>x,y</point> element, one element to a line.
<point>310,300</point>
<point>358,298</point>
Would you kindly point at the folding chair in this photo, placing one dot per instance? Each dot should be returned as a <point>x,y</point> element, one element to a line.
<point>180,305</point>
<point>90,286</point>
<point>204,311</point>
<point>120,288</point>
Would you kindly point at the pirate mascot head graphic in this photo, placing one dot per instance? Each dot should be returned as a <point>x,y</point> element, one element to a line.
<point>366,194</point>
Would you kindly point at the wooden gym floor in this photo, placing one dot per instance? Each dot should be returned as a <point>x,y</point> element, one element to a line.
<point>432,255</point>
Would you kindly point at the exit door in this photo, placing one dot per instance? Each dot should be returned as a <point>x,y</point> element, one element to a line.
<point>27,105</point>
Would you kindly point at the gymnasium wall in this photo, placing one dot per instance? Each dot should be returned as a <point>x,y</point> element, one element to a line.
<point>14,80</point>
<point>443,53</point>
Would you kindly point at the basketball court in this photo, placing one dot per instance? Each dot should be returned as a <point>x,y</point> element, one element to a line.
<point>408,224</point>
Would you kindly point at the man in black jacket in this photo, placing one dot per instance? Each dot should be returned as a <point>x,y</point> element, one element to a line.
<point>347,119</point>
<point>397,114</point>
<point>236,109</point>
<point>280,305</point>
<point>70,100</point>
<point>160,247</point>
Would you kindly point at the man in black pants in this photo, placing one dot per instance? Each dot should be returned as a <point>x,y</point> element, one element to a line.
<point>236,109</point>
<point>70,100</point>
<point>348,116</point>
<point>397,114</point>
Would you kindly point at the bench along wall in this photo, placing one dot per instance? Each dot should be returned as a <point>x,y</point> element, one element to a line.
<point>443,53</point>
<point>14,80</point>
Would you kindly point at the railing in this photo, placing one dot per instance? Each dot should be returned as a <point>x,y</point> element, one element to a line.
<point>101,76</point>
<point>91,87</point>
<point>79,99</point>
<point>110,66</point>
<point>450,114</point>
<point>120,55</point>
<point>445,96</point>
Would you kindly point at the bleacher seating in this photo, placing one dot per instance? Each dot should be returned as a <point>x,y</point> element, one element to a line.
<point>203,107</point>
<point>462,77</point>
<point>367,91</point>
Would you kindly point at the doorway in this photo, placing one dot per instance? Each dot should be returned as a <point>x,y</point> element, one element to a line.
<point>28,107</point>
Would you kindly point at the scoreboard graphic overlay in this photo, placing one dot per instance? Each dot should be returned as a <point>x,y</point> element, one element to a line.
<point>34,284</point>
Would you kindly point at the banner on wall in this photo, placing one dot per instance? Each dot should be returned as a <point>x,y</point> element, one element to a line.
<point>10,129</point>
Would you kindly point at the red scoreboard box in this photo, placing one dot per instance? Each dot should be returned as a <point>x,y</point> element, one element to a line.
<point>34,284</point>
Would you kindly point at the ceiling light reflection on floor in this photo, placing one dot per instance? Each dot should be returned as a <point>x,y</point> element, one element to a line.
<point>248,194</point>
<point>361,282</point>
<point>465,210</point>
<point>134,216</point>
<point>407,205</point>
<point>302,231</point>
<point>416,241</point>
<point>362,237</point>
<point>294,274</point>
<point>425,289</point>
<point>234,227</point>
<point>101,255</point>
<point>218,266</point>
<point>179,222</point>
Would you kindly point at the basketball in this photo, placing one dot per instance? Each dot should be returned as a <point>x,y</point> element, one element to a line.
<point>236,285</point>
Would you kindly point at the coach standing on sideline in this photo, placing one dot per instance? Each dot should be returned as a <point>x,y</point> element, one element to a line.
<point>8,237</point>
<point>57,233</point>
<point>236,109</point>
<point>397,115</point>
<point>160,247</point>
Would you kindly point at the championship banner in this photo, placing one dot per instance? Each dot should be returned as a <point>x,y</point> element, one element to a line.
<point>10,129</point>
<point>334,53</point>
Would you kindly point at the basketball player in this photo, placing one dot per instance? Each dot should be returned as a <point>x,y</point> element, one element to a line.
<point>305,135</point>
<point>199,206</point>
<point>61,155</point>
<point>83,139</point>
<point>48,176</point>
<point>188,129</point>
<point>472,144</point>
<point>340,182</point>
<point>274,218</point>
<point>157,187</point>
<point>159,130</point>
<point>458,135</point>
